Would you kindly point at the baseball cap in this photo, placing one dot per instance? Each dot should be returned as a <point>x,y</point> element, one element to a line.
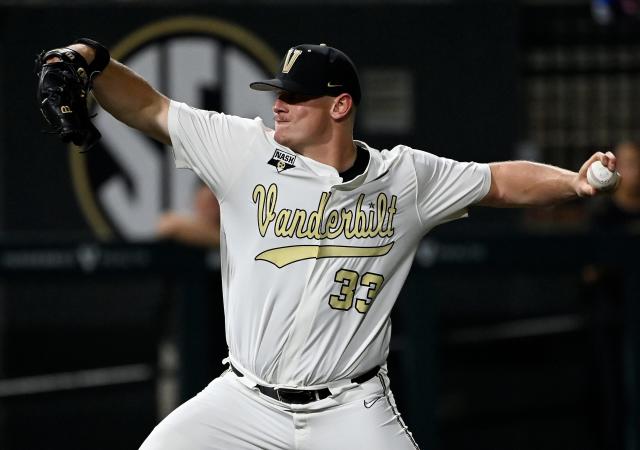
<point>314,70</point>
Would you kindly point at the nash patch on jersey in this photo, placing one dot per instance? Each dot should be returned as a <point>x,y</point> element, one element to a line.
<point>282,160</point>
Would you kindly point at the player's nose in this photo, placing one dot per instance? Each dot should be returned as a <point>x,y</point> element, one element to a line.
<point>279,106</point>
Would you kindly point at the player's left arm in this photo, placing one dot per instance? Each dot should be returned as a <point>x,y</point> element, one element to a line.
<point>524,183</point>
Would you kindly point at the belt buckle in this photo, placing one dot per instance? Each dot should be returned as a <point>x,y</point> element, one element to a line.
<point>310,395</point>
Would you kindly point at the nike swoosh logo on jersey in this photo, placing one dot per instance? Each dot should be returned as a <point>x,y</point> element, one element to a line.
<point>330,84</point>
<point>283,256</point>
<point>371,403</point>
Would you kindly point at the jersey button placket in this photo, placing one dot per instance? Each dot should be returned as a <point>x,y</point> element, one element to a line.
<point>304,316</point>
<point>320,242</point>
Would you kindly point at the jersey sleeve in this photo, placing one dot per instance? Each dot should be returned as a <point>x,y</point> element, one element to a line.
<point>445,188</point>
<point>214,145</point>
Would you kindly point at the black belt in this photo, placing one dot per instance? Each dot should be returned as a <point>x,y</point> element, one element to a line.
<point>302,396</point>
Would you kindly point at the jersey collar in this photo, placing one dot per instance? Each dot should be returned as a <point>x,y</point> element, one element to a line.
<point>376,168</point>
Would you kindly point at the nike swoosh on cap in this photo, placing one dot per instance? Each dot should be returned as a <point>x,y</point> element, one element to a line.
<point>330,84</point>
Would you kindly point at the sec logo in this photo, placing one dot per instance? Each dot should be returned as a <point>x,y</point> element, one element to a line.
<point>128,180</point>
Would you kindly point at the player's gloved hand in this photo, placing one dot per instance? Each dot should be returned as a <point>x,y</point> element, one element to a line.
<point>63,86</point>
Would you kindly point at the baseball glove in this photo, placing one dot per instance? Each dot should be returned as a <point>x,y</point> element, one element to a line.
<point>62,94</point>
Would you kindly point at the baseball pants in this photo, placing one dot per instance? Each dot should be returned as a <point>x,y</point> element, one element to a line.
<point>230,414</point>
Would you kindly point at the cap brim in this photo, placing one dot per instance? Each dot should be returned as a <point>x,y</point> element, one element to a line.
<point>277,84</point>
<point>268,85</point>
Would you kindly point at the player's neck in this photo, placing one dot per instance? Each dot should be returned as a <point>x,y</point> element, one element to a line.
<point>339,153</point>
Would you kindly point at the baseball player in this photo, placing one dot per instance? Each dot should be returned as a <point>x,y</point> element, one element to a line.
<point>318,234</point>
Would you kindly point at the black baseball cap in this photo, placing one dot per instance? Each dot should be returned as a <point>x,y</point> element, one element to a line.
<point>314,70</point>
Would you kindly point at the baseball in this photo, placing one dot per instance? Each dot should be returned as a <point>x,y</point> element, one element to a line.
<point>600,177</point>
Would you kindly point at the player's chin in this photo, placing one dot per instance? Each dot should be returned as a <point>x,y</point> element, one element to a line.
<point>280,136</point>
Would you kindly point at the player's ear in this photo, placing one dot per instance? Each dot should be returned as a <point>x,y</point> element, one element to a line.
<point>342,105</point>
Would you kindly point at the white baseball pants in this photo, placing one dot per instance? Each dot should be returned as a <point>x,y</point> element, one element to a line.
<point>230,414</point>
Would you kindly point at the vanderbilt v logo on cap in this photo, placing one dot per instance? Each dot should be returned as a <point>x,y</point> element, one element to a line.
<point>290,59</point>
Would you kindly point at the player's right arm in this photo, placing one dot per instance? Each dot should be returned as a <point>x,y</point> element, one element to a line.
<point>130,98</point>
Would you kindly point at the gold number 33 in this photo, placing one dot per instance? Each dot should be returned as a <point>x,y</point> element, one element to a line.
<point>349,282</point>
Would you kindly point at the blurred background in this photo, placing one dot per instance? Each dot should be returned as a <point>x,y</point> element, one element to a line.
<point>517,329</point>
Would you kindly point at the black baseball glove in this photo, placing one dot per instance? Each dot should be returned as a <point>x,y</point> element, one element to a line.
<point>62,93</point>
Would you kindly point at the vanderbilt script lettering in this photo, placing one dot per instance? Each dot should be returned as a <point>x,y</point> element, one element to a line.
<point>322,223</point>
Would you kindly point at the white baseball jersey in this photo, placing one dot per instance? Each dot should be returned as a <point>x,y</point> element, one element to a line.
<point>312,266</point>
